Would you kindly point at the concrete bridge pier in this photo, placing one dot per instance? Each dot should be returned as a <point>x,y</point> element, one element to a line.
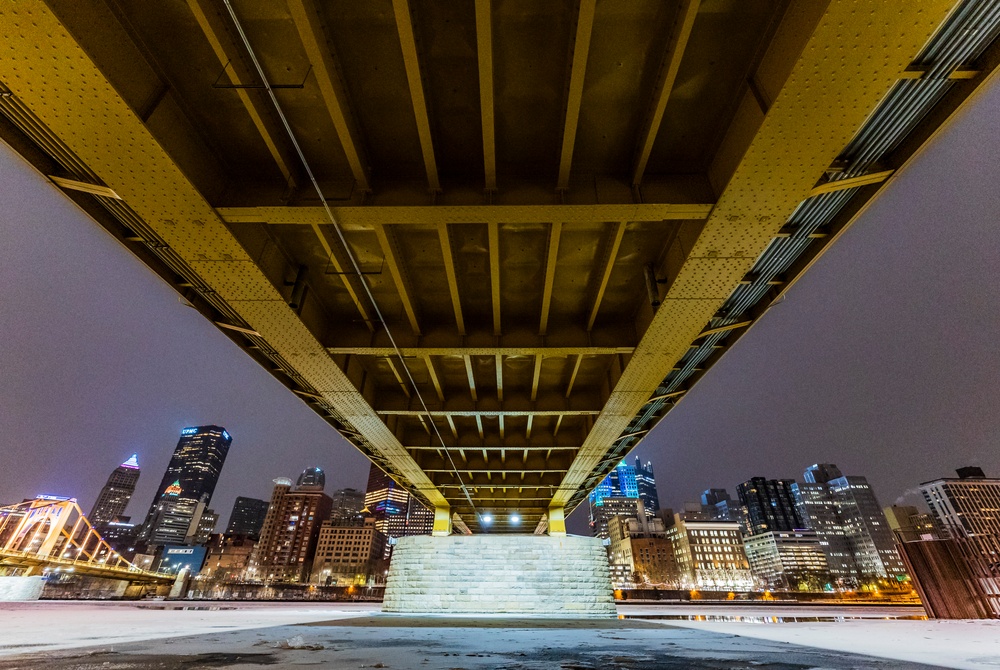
<point>539,575</point>
<point>21,587</point>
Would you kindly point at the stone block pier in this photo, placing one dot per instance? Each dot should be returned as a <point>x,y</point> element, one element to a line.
<point>500,574</point>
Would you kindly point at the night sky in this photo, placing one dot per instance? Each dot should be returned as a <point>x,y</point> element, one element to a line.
<point>883,359</point>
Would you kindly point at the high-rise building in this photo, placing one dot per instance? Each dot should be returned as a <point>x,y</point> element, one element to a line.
<point>618,493</point>
<point>788,560</point>
<point>116,494</point>
<point>194,469</point>
<point>968,507</point>
<point>610,507</point>
<point>849,521</point>
<point>349,554</point>
<point>176,520</point>
<point>247,517</point>
<point>396,512</point>
<point>291,528</point>
<point>646,486</point>
<point>347,507</point>
<point>716,504</point>
<point>769,505</point>
<point>710,554</point>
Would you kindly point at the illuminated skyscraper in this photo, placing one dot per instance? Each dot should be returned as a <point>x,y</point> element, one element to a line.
<point>396,512</point>
<point>849,521</point>
<point>194,468</point>
<point>646,486</point>
<point>116,494</point>
<point>618,495</point>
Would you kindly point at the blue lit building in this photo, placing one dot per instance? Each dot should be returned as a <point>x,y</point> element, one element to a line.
<point>619,495</point>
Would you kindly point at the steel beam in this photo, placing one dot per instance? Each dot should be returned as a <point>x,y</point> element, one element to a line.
<point>550,275</point>
<point>484,45</point>
<point>229,54</point>
<point>609,266</point>
<point>365,218</point>
<point>578,70</point>
<point>404,24</point>
<point>676,45</point>
<point>309,26</point>
<point>402,285</point>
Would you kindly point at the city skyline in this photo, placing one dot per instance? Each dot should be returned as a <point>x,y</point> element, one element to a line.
<point>824,376</point>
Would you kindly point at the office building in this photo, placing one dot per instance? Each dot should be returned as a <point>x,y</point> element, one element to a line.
<point>349,555</point>
<point>620,483</point>
<point>618,493</point>
<point>608,508</point>
<point>788,560</point>
<point>194,469</point>
<point>968,507</point>
<point>396,512</point>
<point>291,528</point>
<point>247,517</point>
<point>116,494</point>
<point>769,504</point>
<point>227,558</point>
<point>640,553</point>
<point>348,506</point>
<point>710,554</point>
<point>178,520</point>
<point>849,521</point>
<point>646,486</point>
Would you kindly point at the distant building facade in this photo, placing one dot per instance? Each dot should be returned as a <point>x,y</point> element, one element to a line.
<point>291,528</point>
<point>178,520</point>
<point>788,560</point>
<point>247,517</point>
<point>710,555</point>
<point>348,506</point>
<point>968,507</point>
<point>610,507</point>
<point>227,557</point>
<point>769,505</point>
<point>848,519</point>
<point>716,504</point>
<point>349,555</point>
<point>640,553</point>
<point>116,494</point>
<point>396,512</point>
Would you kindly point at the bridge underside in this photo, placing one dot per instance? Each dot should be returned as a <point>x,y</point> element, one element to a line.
<point>561,213</point>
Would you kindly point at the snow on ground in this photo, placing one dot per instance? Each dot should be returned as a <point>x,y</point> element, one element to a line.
<point>52,625</point>
<point>949,644</point>
<point>361,633</point>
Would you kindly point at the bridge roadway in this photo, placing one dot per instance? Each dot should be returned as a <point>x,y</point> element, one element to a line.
<point>35,563</point>
<point>563,213</point>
